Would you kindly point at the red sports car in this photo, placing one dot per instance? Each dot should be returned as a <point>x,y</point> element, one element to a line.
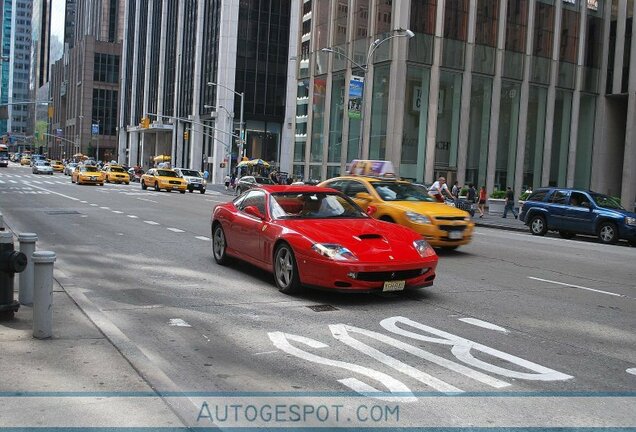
<point>317,237</point>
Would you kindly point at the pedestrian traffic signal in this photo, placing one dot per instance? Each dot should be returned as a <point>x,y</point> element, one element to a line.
<point>186,135</point>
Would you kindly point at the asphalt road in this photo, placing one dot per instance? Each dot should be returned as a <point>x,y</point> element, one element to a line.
<point>520,330</point>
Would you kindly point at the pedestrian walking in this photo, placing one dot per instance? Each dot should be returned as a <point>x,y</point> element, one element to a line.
<point>510,203</point>
<point>226,180</point>
<point>483,195</point>
<point>455,190</point>
<point>206,174</point>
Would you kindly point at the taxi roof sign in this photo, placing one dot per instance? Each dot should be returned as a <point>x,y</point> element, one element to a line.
<point>372,168</point>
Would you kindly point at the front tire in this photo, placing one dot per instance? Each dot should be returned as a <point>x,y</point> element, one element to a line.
<point>538,226</point>
<point>157,186</point>
<point>608,233</point>
<point>202,191</point>
<point>143,185</point>
<point>182,191</point>
<point>219,245</point>
<point>286,270</point>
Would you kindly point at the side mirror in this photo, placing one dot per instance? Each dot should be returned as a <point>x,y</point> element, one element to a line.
<point>254,211</point>
<point>371,210</point>
<point>364,196</point>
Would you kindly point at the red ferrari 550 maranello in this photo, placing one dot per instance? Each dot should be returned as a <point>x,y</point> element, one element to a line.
<point>318,237</point>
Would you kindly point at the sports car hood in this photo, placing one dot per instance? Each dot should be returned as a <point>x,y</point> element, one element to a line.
<point>369,240</point>
<point>428,208</point>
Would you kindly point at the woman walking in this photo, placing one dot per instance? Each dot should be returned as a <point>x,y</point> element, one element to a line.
<point>482,201</point>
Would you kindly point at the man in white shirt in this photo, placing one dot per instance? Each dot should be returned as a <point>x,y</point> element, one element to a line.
<point>439,189</point>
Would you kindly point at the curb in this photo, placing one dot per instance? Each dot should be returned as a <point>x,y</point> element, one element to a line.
<point>500,227</point>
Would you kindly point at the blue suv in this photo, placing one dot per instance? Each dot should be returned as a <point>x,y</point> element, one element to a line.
<point>574,211</point>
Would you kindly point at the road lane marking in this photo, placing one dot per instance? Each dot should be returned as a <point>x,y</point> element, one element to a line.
<point>94,205</point>
<point>48,182</point>
<point>148,200</point>
<point>117,212</point>
<point>483,324</point>
<point>178,322</point>
<point>84,202</point>
<point>202,238</point>
<point>266,352</point>
<point>133,216</point>
<point>576,286</point>
<point>177,230</point>
<point>13,181</point>
<point>56,193</point>
<point>631,371</point>
<point>105,208</point>
<point>151,222</point>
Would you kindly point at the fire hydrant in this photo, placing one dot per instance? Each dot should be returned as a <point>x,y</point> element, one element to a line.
<point>11,262</point>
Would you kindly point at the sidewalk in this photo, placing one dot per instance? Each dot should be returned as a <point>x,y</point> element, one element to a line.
<point>497,222</point>
<point>74,379</point>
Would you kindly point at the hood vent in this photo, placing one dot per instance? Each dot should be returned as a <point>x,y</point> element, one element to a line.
<point>370,237</point>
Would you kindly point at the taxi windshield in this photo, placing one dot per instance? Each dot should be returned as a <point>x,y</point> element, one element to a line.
<point>313,205</point>
<point>166,173</point>
<point>394,191</point>
<point>90,169</point>
<point>117,169</point>
<point>191,173</point>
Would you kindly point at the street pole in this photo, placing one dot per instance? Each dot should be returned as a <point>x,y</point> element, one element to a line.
<point>241,126</point>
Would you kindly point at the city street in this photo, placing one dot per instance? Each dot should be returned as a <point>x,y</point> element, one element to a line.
<point>516,331</point>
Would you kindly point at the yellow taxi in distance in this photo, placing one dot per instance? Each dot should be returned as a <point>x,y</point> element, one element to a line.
<point>163,178</point>
<point>87,174</point>
<point>116,174</point>
<point>25,160</point>
<point>403,203</point>
<point>57,166</point>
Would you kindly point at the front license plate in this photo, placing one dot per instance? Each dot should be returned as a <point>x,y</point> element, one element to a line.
<point>393,286</point>
<point>455,235</point>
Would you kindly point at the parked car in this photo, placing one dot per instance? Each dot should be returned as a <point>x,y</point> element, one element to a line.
<point>163,178</point>
<point>194,178</point>
<point>318,237</point>
<point>575,211</point>
<point>87,174</point>
<point>42,167</point>
<point>249,182</point>
<point>68,169</point>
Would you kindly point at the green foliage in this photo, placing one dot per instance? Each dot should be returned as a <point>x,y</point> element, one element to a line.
<point>524,196</point>
<point>464,191</point>
<point>498,194</point>
<point>41,128</point>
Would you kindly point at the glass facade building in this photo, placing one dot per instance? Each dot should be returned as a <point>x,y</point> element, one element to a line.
<point>502,93</point>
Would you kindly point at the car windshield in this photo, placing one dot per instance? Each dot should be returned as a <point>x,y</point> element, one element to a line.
<point>394,191</point>
<point>313,205</point>
<point>191,173</point>
<point>263,180</point>
<point>608,202</point>
<point>90,169</point>
<point>166,173</point>
<point>42,163</point>
<point>117,169</point>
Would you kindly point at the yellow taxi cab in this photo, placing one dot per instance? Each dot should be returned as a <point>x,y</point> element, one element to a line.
<point>163,178</point>
<point>57,166</point>
<point>25,160</point>
<point>87,174</point>
<point>401,202</point>
<point>116,174</point>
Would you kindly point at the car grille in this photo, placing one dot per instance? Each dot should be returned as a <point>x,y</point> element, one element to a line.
<point>450,218</point>
<point>195,180</point>
<point>174,182</point>
<point>389,276</point>
<point>452,227</point>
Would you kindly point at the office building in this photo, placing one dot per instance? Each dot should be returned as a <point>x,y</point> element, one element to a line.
<point>184,63</point>
<point>519,93</point>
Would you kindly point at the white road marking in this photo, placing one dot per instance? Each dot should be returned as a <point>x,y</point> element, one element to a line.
<point>202,238</point>
<point>483,324</point>
<point>265,352</point>
<point>148,200</point>
<point>576,286</point>
<point>13,181</point>
<point>84,202</point>
<point>151,222</point>
<point>178,322</point>
<point>206,338</point>
<point>1,181</point>
<point>94,205</point>
<point>177,230</point>
<point>133,216</point>
<point>631,371</point>
<point>48,182</point>
<point>36,182</point>
<point>117,212</point>
<point>105,208</point>
<point>56,193</point>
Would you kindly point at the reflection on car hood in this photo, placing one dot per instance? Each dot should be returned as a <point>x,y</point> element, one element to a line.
<point>369,240</point>
<point>620,211</point>
<point>427,208</point>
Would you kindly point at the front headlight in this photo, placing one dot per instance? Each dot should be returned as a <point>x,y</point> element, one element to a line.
<point>334,252</point>
<point>630,220</point>
<point>423,248</point>
<point>205,182</point>
<point>417,218</point>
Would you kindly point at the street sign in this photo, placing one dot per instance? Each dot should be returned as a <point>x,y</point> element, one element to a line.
<point>95,129</point>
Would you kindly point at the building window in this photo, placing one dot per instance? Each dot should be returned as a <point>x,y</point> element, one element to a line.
<point>336,119</point>
<point>560,138</point>
<point>317,133</point>
<point>415,122</point>
<point>448,118</point>
<point>585,142</point>
<point>479,127</point>
<point>535,134</point>
<point>516,28</point>
<point>379,112</point>
<point>507,134</point>
<point>542,47</point>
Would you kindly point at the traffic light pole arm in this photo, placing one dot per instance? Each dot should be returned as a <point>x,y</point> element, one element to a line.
<point>183,119</point>
<point>60,138</point>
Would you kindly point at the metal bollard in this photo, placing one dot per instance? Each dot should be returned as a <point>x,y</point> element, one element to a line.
<point>27,247</point>
<point>43,294</point>
<point>11,262</point>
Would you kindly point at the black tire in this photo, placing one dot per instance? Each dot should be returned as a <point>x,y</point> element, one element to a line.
<point>202,191</point>
<point>632,243</point>
<point>219,245</point>
<point>143,185</point>
<point>567,235</point>
<point>182,191</point>
<point>538,225</point>
<point>190,190</point>
<point>450,248</point>
<point>608,233</point>
<point>157,188</point>
<point>285,270</point>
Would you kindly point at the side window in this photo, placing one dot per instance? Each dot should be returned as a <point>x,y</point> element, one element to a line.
<point>354,188</point>
<point>559,197</point>
<point>538,196</point>
<point>254,198</point>
<point>577,199</point>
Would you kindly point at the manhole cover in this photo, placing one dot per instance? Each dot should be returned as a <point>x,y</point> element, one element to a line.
<point>62,212</point>
<point>322,308</point>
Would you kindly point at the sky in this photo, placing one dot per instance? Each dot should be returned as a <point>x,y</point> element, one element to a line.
<point>57,21</point>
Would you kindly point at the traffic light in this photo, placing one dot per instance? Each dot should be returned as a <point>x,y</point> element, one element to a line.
<point>186,135</point>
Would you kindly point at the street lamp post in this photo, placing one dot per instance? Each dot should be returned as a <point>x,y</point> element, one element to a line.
<point>230,115</point>
<point>241,125</point>
<point>365,68</point>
